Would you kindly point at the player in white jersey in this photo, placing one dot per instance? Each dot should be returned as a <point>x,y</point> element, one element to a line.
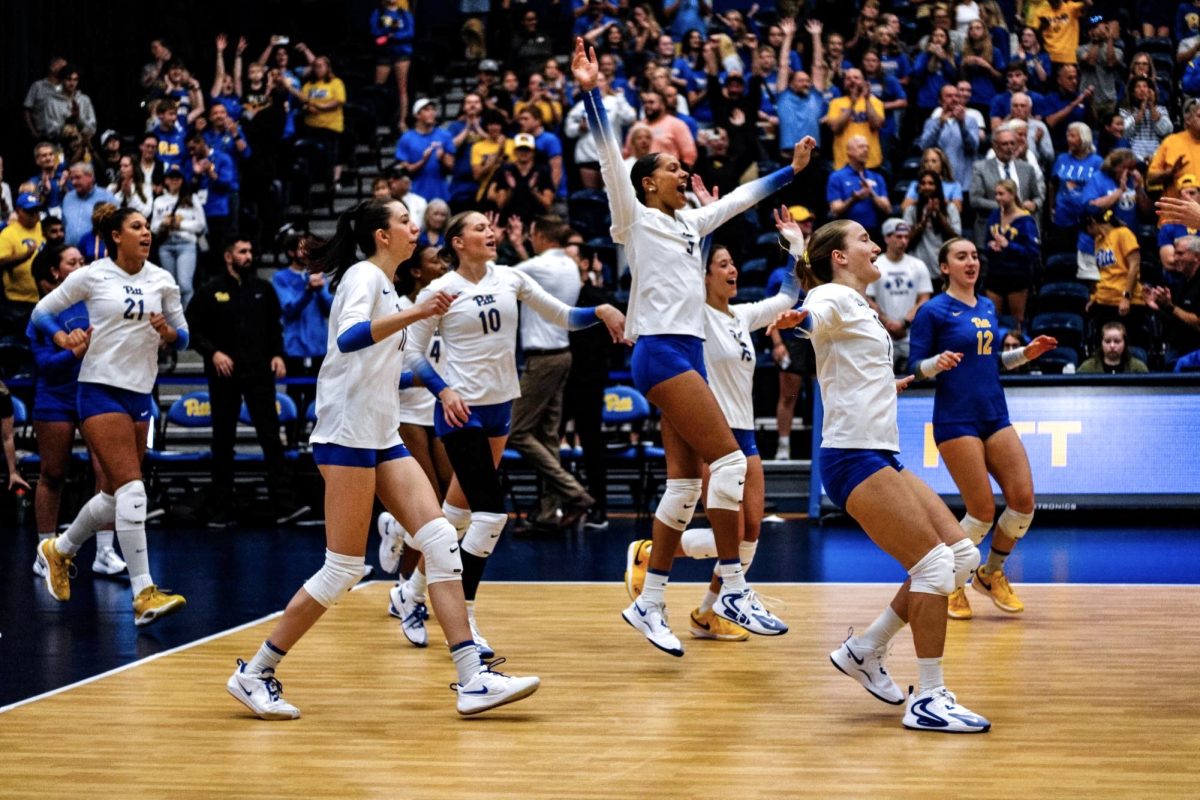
<point>729,359</point>
<point>857,460</point>
<point>662,241</point>
<point>132,306</point>
<point>359,453</point>
<point>477,379</point>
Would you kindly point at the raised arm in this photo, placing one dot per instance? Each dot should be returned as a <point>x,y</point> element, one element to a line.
<point>219,71</point>
<point>711,217</point>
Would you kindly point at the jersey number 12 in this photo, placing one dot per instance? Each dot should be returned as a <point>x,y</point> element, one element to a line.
<point>984,341</point>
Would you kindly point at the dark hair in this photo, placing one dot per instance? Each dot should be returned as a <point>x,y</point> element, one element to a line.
<point>45,261</point>
<point>110,222</point>
<point>1104,216</point>
<point>643,168</point>
<point>231,241</point>
<point>195,136</point>
<point>815,267</point>
<point>66,71</point>
<point>355,231</point>
<point>939,192</point>
<point>148,135</point>
<point>453,228</point>
<point>491,116</point>
<point>406,281</point>
<point>292,243</point>
<point>166,104</point>
<point>552,228</point>
<point>944,250</point>
<point>712,254</point>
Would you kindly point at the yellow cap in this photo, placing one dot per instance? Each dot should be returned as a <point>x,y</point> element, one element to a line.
<point>802,214</point>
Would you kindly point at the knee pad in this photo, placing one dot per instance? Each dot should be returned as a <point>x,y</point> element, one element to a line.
<point>934,574</point>
<point>975,529</point>
<point>966,559</point>
<point>130,506</point>
<point>481,538</point>
<point>438,542</point>
<point>338,576</point>
<point>678,502</point>
<point>699,543</point>
<point>726,481</point>
<point>103,510</point>
<point>1014,524</point>
<point>460,518</point>
<point>746,551</point>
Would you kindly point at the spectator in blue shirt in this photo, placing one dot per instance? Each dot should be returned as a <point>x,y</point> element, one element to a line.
<point>591,16</point>
<point>1064,105</point>
<point>51,180</point>
<point>392,28</point>
<point>427,152</point>
<point>890,93</point>
<point>77,205</point>
<point>304,303</point>
<point>214,178</point>
<point>954,132</point>
<point>982,64</point>
<point>935,68</point>
<point>855,192</point>
<point>1071,173</point>
<point>1017,82</point>
<point>171,134</point>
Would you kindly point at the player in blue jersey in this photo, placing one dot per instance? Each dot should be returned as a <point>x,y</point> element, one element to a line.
<point>970,417</point>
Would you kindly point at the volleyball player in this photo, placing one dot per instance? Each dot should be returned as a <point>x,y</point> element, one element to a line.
<point>662,241</point>
<point>859,442</point>
<point>729,360</point>
<point>55,414</point>
<point>132,307</point>
<point>357,448</point>
<point>474,398</point>
<point>970,417</point>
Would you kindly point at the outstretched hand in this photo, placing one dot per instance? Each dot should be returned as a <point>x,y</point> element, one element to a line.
<point>702,193</point>
<point>802,153</point>
<point>1040,346</point>
<point>785,320</point>
<point>1179,210</point>
<point>584,65</point>
<point>904,383</point>
<point>789,229</point>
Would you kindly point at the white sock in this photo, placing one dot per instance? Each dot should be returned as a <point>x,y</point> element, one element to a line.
<point>97,513</point>
<point>929,671</point>
<point>44,536</point>
<point>706,604</point>
<point>732,576</point>
<point>417,584</point>
<point>265,660</point>
<point>881,631</point>
<point>699,543</point>
<point>746,551</point>
<point>466,660</point>
<point>104,539</point>
<point>654,588</point>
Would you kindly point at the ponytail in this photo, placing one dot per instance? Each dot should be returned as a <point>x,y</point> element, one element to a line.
<point>815,267</point>
<point>355,233</point>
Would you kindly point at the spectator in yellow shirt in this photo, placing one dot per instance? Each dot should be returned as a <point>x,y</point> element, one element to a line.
<point>20,241</point>
<point>323,96</point>
<point>1058,22</point>
<point>856,113</point>
<point>1118,295</point>
<point>1177,154</point>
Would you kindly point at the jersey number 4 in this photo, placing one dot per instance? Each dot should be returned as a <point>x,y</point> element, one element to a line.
<point>130,305</point>
<point>984,342</point>
<point>490,320</point>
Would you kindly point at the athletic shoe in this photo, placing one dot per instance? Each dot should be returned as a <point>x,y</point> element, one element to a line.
<point>412,615</point>
<point>996,586</point>
<point>57,570</point>
<point>574,510</point>
<point>938,710</point>
<point>39,569</point>
<point>866,666</point>
<point>262,693</point>
<point>391,542</point>
<point>596,519</point>
<point>958,607</point>
<point>637,561</point>
<point>651,620</point>
<point>107,562</point>
<point>491,689</point>
<point>153,603</point>
<point>744,608</point>
<point>481,644</point>
<point>708,625</point>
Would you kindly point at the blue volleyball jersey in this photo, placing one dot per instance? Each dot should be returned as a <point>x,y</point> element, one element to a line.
<point>56,371</point>
<point>971,391</point>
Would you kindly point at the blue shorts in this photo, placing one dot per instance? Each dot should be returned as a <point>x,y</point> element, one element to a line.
<point>96,398</point>
<point>56,404</point>
<point>842,470</point>
<point>746,443</point>
<point>339,455</point>
<point>494,420</point>
<point>981,429</point>
<point>660,357</point>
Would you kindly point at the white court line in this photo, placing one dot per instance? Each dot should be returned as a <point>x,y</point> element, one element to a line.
<point>252,623</point>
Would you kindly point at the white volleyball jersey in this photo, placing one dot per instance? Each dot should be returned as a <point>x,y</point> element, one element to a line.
<point>479,332</point>
<point>729,356</point>
<point>416,404</point>
<point>558,274</point>
<point>854,367</point>
<point>358,398</point>
<point>666,295</point>
<point>124,348</point>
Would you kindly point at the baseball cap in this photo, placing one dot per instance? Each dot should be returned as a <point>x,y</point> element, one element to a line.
<point>1186,181</point>
<point>108,134</point>
<point>895,225</point>
<point>800,213</point>
<point>524,140</point>
<point>29,201</point>
<point>173,170</point>
<point>424,101</point>
<point>489,65</point>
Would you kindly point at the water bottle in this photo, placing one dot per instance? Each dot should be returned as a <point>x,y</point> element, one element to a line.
<point>1068,369</point>
<point>22,509</point>
<point>785,362</point>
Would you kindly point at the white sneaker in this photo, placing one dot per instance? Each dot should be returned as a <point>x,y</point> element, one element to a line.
<point>262,694</point>
<point>938,710</point>
<point>481,644</point>
<point>651,620</point>
<point>391,542</point>
<point>866,667</point>
<point>411,613</point>
<point>107,562</point>
<point>491,689</point>
<point>39,569</point>
<point>744,608</point>
<point>783,452</point>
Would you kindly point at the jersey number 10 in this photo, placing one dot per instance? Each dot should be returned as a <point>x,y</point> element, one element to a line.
<point>490,320</point>
<point>984,341</point>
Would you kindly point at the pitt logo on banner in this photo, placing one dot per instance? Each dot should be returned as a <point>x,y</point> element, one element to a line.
<point>1057,430</point>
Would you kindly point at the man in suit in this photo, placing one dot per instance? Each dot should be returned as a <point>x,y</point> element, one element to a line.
<point>987,172</point>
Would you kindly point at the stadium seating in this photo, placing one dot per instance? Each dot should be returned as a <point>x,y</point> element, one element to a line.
<point>1068,329</point>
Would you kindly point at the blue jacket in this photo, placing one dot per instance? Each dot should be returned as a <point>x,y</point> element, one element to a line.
<point>219,188</point>
<point>304,314</point>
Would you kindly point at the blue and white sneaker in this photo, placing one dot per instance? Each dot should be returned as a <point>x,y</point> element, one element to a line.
<point>866,666</point>
<point>411,613</point>
<point>651,620</point>
<point>391,542</point>
<point>481,644</point>
<point>490,689</point>
<point>745,609</point>
<point>260,693</point>
<point>938,710</point>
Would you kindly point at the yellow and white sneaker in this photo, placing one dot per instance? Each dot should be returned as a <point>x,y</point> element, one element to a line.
<point>57,570</point>
<point>153,603</point>
<point>958,607</point>
<point>708,625</point>
<point>996,586</point>
<point>637,561</point>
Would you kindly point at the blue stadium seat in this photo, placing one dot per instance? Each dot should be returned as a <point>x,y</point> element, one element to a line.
<point>624,405</point>
<point>755,266</point>
<point>1052,363</point>
<point>192,410</point>
<point>1060,267</point>
<point>1139,353</point>
<point>1066,328</point>
<point>20,412</point>
<point>1062,296</point>
<point>588,210</point>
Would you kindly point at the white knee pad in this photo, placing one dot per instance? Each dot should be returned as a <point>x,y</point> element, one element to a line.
<point>975,529</point>
<point>699,543</point>
<point>411,541</point>
<point>726,481</point>
<point>460,518</point>
<point>934,574</point>
<point>678,502</point>
<point>130,506</point>
<point>746,551</point>
<point>338,575</point>
<point>438,542</point>
<point>480,539</point>
<point>966,559</point>
<point>1014,524</point>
